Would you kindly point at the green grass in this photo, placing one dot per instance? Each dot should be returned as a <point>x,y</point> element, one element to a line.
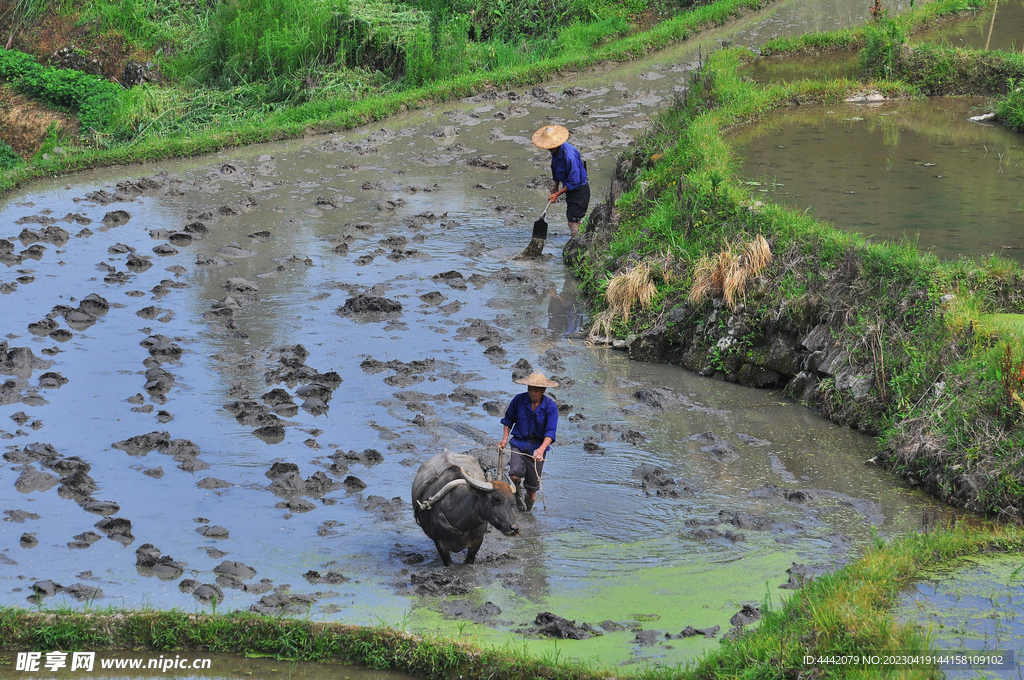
<point>1010,107</point>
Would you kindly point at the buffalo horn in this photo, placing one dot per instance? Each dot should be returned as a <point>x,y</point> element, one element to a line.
<point>429,503</point>
<point>480,486</point>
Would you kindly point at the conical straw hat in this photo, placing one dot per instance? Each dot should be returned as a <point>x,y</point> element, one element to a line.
<point>536,379</point>
<point>550,136</point>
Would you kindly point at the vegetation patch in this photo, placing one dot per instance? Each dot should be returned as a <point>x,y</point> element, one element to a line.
<point>878,336</point>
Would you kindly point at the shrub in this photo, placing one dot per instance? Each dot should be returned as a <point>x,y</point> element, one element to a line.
<point>884,42</point>
<point>8,157</point>
<point>1010,109</point>
<point>91,96</point>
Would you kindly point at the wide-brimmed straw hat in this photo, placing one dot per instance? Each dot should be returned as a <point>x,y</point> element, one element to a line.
<point>536,379</point>
<point>550,136</point>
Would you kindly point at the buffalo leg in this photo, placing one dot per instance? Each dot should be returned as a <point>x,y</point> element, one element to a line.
<point>446,557</point>
<point>474,548</point>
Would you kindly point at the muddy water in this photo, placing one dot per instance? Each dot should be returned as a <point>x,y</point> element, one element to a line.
<point>226,666</point>
<point>974,605</point>
<point>999,28</point>
<point>914,170</point>
<point>748,484</point>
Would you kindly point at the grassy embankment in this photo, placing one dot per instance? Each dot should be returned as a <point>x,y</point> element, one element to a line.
<point>934,340</point>
<point>234,78</point>
<point>843,613</point>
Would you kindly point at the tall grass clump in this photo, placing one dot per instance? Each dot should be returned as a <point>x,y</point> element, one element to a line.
<point>1010,108</point>
<point>24,12</point>
<point>884,43</point>
<point>252,40</point>
<point>148,24</point>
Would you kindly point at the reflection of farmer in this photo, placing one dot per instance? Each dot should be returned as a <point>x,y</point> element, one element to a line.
<point>532,419</point>
<point>567,169</point>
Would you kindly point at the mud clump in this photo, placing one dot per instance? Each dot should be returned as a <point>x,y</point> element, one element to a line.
<point>278,470</point>
<point>218,532</point>
<point>149,562</point>
<point>690,631</point>
<point>34,480</point>
<point>234,570</point>
<point>19,516</point>
<point>441,582</point>
<point>117,529</point>
<point>747,615</point>
<point>656,482</point>
<point>799,576</point>
<point>719,449</point>
<point>552,625</point>
<point>283,603</point>
<point>369,306</point>
<point>83,540</point>
<point>659,398</point>
<point>770,490</point>
<point>331,577</point>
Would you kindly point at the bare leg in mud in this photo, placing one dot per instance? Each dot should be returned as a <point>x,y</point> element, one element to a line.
<point>574,229</point>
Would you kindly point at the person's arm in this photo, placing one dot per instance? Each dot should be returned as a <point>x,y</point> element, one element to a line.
<point>555,193</point>
<point>508,421</point>
<point>550,427</point>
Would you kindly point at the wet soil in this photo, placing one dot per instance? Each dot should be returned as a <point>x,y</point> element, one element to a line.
<point>252,401</point>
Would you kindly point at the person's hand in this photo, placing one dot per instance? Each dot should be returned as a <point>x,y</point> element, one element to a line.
<point>538,455</point>
<point>553,197</point>
<point>502,444</point>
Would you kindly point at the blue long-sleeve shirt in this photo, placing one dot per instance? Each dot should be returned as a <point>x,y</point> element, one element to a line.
<point>567,167</point>
<point>530,427</point>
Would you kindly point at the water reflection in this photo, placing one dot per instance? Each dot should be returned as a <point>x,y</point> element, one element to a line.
<point>913,170</point>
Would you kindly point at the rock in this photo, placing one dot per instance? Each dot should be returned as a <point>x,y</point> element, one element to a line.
<point>28,540</point>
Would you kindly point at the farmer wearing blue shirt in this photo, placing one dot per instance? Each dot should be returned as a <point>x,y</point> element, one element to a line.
<point>567,169</point>
<point>532,420</point>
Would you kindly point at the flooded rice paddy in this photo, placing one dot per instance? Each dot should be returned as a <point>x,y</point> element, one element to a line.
<point>975,605</point>
<point>1000,27</point>
<point>221,375</point>
<point>916,170</point>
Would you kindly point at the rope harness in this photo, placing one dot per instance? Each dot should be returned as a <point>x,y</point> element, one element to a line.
<point>533,461</point>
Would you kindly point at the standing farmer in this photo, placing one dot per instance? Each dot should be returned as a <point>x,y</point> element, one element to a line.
<point>566,169</point>
<point>531,419</point>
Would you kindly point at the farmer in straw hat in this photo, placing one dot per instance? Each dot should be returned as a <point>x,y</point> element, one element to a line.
<point>532,419</point>
<point>567,169</point>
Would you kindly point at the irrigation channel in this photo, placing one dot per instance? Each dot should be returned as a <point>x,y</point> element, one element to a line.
<point>750,485</point>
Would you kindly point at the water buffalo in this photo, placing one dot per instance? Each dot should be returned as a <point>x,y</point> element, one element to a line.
<point>453,503</point>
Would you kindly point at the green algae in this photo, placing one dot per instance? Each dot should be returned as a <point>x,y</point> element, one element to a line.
<point>667,597</point>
